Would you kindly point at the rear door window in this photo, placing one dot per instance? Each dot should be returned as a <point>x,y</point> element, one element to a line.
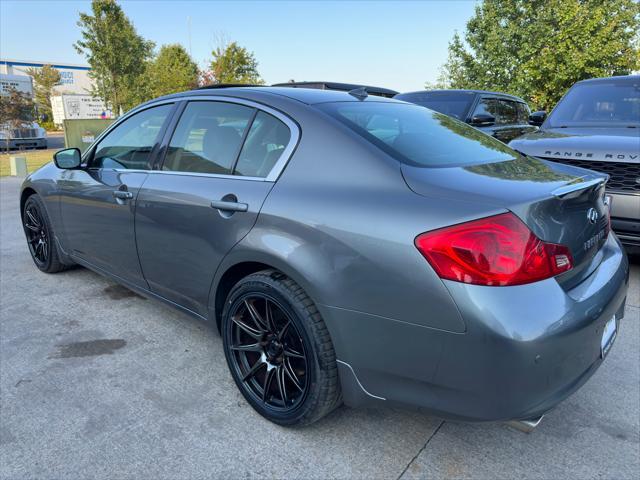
<point>208,137</point>
<point>489,106</point>
<point>265,143</point>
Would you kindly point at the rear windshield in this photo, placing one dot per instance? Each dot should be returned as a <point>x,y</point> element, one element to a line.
<point>610,104</point>
<point>417,136</point>
<point>454,104</point>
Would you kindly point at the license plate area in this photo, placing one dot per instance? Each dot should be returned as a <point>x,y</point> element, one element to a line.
<point>609,334</point>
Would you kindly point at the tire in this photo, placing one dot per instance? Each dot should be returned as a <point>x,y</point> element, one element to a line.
<point>279,351</point>
<point>40,237</point>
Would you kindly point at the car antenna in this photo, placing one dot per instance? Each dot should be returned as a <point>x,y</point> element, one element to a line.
<point>359,93</point>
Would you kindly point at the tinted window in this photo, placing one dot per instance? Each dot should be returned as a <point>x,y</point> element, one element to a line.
<point>207,138</point>
<point>615,103</point>
<point>504,111</point>
<point>418,136</point>
<point>454,104</point>
<point>265,143</point>
<point>523,112</point>
<point>129,144</point>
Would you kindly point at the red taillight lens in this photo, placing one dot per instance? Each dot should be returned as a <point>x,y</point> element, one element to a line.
<point>499,250</point>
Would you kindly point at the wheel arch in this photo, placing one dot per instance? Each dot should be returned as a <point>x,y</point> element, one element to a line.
<point>26,193</point>
<point>238,265</point>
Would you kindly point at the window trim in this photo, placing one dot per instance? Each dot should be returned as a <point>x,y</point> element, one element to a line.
<point>181,103</point>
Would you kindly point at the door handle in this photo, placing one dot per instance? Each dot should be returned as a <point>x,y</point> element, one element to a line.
<point>122,195</point>
<point>228,206</point>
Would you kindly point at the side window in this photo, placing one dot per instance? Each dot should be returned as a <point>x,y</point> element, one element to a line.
<point>523,113</point>
<point>267,139</point>
<point>129,144</point>
<point>208,137</point>
<point>508,112</point>
<point>489,106</point>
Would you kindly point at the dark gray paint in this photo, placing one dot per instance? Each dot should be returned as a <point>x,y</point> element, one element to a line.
<point>340,220</point>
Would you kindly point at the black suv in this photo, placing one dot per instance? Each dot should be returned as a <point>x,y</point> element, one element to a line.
<point>503,116</point>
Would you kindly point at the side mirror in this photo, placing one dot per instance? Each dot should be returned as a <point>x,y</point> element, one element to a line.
<point>68,158</point>
<point>537,118</point>
<point>483,120</point>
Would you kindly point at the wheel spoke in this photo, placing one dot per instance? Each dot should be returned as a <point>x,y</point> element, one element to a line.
<point>252,332</point>
<point>258,365</point>
<point>33,228</point>
<point>284,329</point>
<point>281,385</point>
<point>34,222</point>
<point>44,251</point>
<point>291,374</point>
<point>268,380</point>
<point>253,347</point>
<point>255,316</point>
<point>291,353</point>
<point>268,315</point>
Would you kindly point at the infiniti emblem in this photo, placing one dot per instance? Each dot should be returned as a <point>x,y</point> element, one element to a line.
<point>592,215</point>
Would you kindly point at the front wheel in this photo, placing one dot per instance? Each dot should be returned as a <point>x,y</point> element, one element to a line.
<point>279,350</point>
<point>40,239</point>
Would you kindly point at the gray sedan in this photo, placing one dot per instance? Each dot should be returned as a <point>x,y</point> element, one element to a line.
<point>350,249</point>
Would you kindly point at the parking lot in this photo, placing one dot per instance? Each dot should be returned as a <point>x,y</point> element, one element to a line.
<point>98,382</point>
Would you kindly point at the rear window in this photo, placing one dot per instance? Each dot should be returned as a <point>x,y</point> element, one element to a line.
<point>454,104</point>
<point>417,136</point>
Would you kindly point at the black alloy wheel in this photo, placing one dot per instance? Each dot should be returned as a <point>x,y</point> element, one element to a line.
<point>268,352</point>
<point>279,351</point>
<point>38,236</point>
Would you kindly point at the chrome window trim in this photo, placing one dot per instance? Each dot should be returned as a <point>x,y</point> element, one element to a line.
<point>277,168</point>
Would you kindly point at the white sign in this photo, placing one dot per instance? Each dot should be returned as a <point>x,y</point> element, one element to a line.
<point>69,107</point>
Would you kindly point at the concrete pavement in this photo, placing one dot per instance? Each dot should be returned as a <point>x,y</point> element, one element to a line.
<point>97,382</point>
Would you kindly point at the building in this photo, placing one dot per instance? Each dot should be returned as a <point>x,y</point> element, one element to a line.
<point>74,78</point>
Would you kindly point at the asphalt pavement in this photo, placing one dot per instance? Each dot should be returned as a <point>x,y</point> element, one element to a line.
<point>98,382</point>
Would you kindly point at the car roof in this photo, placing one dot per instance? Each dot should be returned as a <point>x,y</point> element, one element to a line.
<point>309,96</point>
<point>608,79</point>
<point>338,86</point>
<point>475,92</point>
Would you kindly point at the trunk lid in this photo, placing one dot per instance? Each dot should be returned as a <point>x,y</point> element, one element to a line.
<point>559,203</point>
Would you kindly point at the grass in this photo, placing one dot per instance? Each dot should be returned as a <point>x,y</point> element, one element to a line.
<point>35,159</point>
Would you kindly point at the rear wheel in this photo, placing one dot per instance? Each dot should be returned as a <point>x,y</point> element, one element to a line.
<point>279,350</point>
<point>40,239</point>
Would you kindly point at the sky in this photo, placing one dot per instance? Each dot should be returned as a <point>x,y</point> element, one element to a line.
<point>398,45</point>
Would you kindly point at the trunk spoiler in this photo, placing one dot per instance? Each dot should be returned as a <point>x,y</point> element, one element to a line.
<point>578,185</point>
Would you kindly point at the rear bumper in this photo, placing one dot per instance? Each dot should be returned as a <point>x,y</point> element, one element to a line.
<point>526,348</point>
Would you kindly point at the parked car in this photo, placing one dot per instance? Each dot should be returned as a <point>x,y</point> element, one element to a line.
<point>341,87</point>
<point>25,135</point>
<point>596,125</point>
<point>349,249</point>
<point>502,116</point>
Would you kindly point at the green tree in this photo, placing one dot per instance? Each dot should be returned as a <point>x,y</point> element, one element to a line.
<point>16,108</point>
<point>234,64</point>
<point>45,79</point>
<point>537,49</point>
<point>116,53</point>
<point>171,71</point>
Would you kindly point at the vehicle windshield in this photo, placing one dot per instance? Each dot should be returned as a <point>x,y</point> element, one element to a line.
<point>610,104</point>
<point>418,136</point>
<point>454,104</point>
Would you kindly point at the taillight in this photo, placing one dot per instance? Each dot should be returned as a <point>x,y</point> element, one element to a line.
<point>498,250</point>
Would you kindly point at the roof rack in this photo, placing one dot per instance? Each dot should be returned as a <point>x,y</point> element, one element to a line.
<point>227,85</point>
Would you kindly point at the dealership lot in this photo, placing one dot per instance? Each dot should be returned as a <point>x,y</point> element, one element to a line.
<point>97,382</point>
